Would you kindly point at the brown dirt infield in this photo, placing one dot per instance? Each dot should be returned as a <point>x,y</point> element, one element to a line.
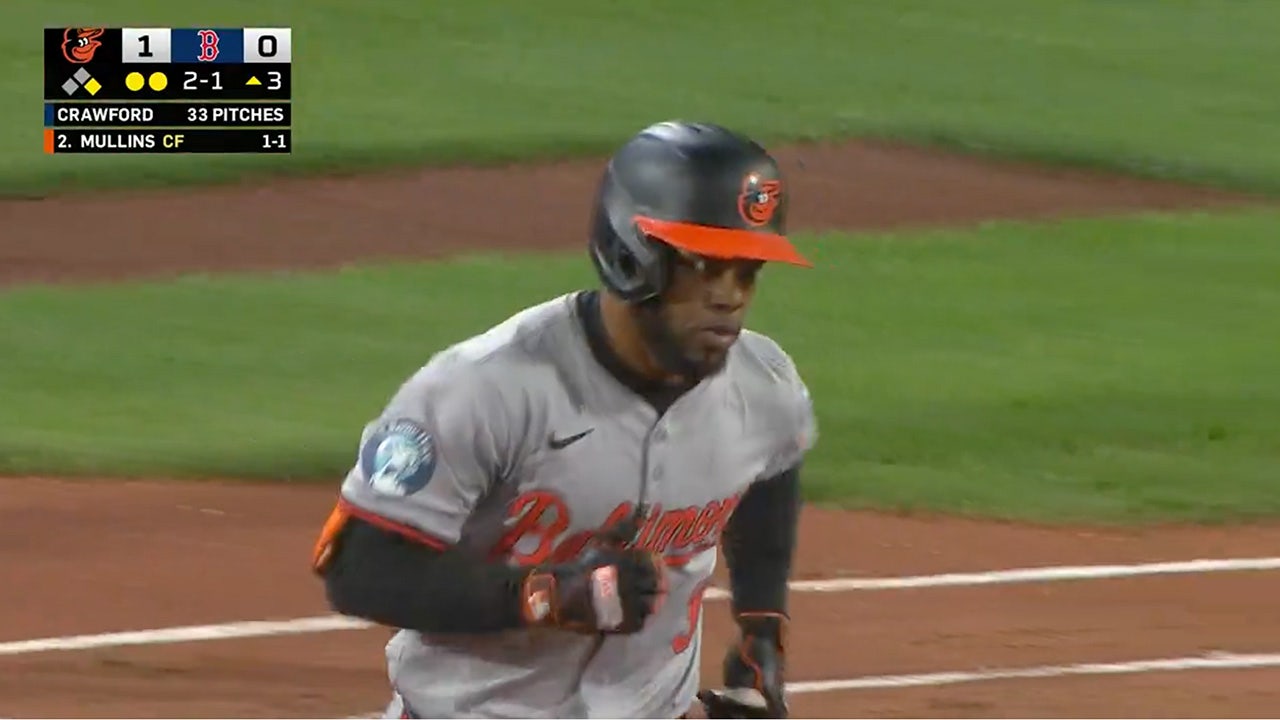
<point>91,557</point>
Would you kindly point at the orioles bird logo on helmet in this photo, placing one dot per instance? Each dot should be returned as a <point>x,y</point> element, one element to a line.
<point>759,199</point>
<point>79,44</point>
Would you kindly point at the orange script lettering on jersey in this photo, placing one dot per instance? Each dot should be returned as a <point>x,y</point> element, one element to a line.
<point>678,534</point>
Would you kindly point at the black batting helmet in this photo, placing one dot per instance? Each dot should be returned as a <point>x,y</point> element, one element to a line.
<point>696,187</point>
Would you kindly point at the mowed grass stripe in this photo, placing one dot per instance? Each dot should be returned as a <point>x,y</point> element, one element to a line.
<point>1118,369</point>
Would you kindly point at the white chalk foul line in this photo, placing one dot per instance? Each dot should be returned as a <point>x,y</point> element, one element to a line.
<point>190,633</point>
<point>330,623</point>
<point>1213,661</point>
<point>1029,575</point>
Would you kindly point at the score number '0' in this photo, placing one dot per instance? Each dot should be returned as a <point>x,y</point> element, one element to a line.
<point>273,80</point>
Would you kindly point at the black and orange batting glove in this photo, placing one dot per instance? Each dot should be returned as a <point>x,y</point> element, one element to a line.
<point>754,671</point>
<point>609,589</point>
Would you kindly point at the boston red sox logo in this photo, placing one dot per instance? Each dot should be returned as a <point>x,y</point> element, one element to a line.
<point>208,46</point>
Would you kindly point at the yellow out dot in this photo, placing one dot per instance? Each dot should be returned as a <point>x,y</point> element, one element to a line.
<point>158,81</point>
<point>133,81</point>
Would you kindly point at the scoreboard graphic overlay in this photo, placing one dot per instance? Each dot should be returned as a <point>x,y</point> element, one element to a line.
<point>168,90</point>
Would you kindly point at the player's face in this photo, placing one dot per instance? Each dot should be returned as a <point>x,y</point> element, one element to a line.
<point>701,313</point>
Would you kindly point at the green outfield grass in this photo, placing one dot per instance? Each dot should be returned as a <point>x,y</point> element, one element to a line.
<point>1102,369</point>
<point>1168,87</point>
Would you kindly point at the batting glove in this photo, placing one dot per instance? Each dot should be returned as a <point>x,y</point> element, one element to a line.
<point>607,590</point>
<point>753,672</point>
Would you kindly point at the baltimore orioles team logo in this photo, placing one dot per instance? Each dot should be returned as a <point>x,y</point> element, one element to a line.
<point>79,44</point>
<point>759,199</point>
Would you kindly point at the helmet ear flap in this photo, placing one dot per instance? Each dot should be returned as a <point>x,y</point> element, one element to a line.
<point>629,265</point>
<point>663,264</point>
<point>638,268</point>
<point>632,265</point>
<point>659,258</point>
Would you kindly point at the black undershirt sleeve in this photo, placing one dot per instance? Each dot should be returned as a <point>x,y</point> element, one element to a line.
<point>759,543</point>
<point>386,578</point>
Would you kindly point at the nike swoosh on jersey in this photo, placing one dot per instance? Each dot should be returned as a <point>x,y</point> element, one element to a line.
<point>560,443</point>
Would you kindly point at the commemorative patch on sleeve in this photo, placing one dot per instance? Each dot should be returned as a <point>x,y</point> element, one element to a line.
<point>398,457</point>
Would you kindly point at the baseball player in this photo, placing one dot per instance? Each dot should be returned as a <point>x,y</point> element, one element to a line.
<point>538,508</point>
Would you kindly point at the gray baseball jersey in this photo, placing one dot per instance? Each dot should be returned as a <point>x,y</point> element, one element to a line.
<point>516,445</point>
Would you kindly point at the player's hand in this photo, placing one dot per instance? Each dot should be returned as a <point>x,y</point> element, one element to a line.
<point>753,672</point>
<point>607,590</point>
